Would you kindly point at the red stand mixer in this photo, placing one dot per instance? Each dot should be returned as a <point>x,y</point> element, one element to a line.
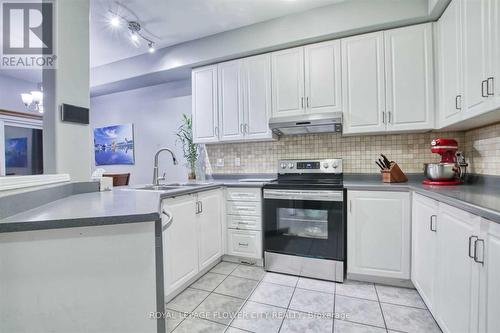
<point>452,168</point>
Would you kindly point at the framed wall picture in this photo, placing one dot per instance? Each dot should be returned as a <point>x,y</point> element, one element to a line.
<point>114,144</point>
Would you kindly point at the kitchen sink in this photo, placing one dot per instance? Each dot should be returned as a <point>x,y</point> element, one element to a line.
<point>171,186</point>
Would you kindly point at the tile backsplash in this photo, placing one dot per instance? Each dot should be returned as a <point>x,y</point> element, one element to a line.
<point>481,147</point>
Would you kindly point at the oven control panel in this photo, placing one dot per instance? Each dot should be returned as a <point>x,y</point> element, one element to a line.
<point>332,165</point>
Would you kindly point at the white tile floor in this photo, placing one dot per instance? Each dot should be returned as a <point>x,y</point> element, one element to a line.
<point>236,298</point>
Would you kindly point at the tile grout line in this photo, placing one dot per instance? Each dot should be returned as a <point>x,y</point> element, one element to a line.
<point>209,293</point>
<point>380,306</point>
<point>245,302</point>
<point>288,306</point>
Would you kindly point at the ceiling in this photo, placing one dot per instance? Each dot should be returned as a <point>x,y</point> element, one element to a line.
<point>30,75</point>
<point>170,22</point>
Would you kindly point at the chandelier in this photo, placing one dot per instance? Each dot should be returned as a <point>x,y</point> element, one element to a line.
<point>33,101</point>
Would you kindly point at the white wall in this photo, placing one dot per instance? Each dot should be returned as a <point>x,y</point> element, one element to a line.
<point>156,114</point>
<point>11,90</point>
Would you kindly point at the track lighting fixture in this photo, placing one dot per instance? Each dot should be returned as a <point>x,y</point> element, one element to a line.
<point>134,28</point>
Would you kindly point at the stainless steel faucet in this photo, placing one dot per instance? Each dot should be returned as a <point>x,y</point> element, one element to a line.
<point>156,179</point>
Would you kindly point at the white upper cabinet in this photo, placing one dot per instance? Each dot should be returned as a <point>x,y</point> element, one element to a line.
<point>475,39</point>
<point>322,77</point>
<point>378,234</point>
<point>495,49</point>
<point>363,83</point>
<point>230,100</point>
<point>204,100</point>
<point>288,82</point>
<point>409,78</point>
<point>450,64</point>
<point>257,96</point>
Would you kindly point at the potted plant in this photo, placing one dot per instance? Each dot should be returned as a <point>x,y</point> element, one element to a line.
<point>185,137</point>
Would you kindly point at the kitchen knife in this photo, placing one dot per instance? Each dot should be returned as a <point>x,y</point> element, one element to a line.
<point>387,163</point>
<point>382,164</point>
<point>379,165</point>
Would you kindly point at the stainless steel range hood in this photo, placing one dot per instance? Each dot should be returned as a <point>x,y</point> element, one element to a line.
<point>307,124</point>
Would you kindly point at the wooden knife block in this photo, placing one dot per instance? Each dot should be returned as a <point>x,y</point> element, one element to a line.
<point>394,174</point>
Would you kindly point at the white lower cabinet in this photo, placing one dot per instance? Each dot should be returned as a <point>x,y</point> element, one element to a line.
<point>180,243</point>
<point>457,272</point>
<point>424,242</point>
<point>489,295</point>
<point>244,243</point>
<point>209,227</point>
<point>244,222</point>
<point>378,234</point>
<point>456,266</point>
<point>192,236</point>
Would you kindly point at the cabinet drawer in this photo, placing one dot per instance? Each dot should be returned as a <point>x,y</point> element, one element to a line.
<point>245,194</point>
<point>244,222</point>
<point>244,243</point>
<point>244,208</point>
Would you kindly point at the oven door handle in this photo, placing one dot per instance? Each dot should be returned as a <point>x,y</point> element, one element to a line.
<point>304,195</point>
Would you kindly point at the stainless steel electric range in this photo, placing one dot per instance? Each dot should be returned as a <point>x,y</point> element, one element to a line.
<point>305,220</point>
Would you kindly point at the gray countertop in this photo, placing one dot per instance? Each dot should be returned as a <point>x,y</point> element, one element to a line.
<point>478,199</point>
<point>128,205</point>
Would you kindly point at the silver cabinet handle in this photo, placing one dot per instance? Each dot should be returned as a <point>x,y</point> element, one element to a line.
<point>302,102</point>
<point>197,207</point>
<point>433,225</point>
<point>246,128</point>
<point>472,256</point>
<point>483,85</point>
<point>476,257</point>
<point>389,114</point>
<point>170,219</point>
<point>383,117</point>
<point>201,206</point>
<point>458,105</point>
<point>491,80</point>
<point>243,244</point>
<point>242,128</point>
<point>307,101</point>
<point>216,130</point>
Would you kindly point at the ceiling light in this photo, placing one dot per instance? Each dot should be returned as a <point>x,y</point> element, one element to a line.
<point>151,46</point>
<point>27,99</point>
<point>134,37</point>
<point>115,21</point>
<point>34,100</point>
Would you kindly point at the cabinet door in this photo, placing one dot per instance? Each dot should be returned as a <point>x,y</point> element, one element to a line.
<point>495,49</point>
<point>180,244</point>
<point>230,100</point>
<point>450,65</point>
<point>475,24</point>
<point>378,234</point>
<point>424,242</point>
<point>204,99</point>
<point>363,83</point>
<point>210,227</point>
<point>409,78</point>
<point>489,301</point>
<point>457,274</point>
<point>257,106</point>
<point>288,82</point>
<point>322,77</point>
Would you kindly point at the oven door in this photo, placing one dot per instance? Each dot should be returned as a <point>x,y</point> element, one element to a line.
<point>304,223</point>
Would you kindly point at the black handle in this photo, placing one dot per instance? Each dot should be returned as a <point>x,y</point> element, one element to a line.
<point>456,102</point>
<point>483,83</point>
<point>491,79</point>
<point>475,251</point>
<point>472,256</point>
